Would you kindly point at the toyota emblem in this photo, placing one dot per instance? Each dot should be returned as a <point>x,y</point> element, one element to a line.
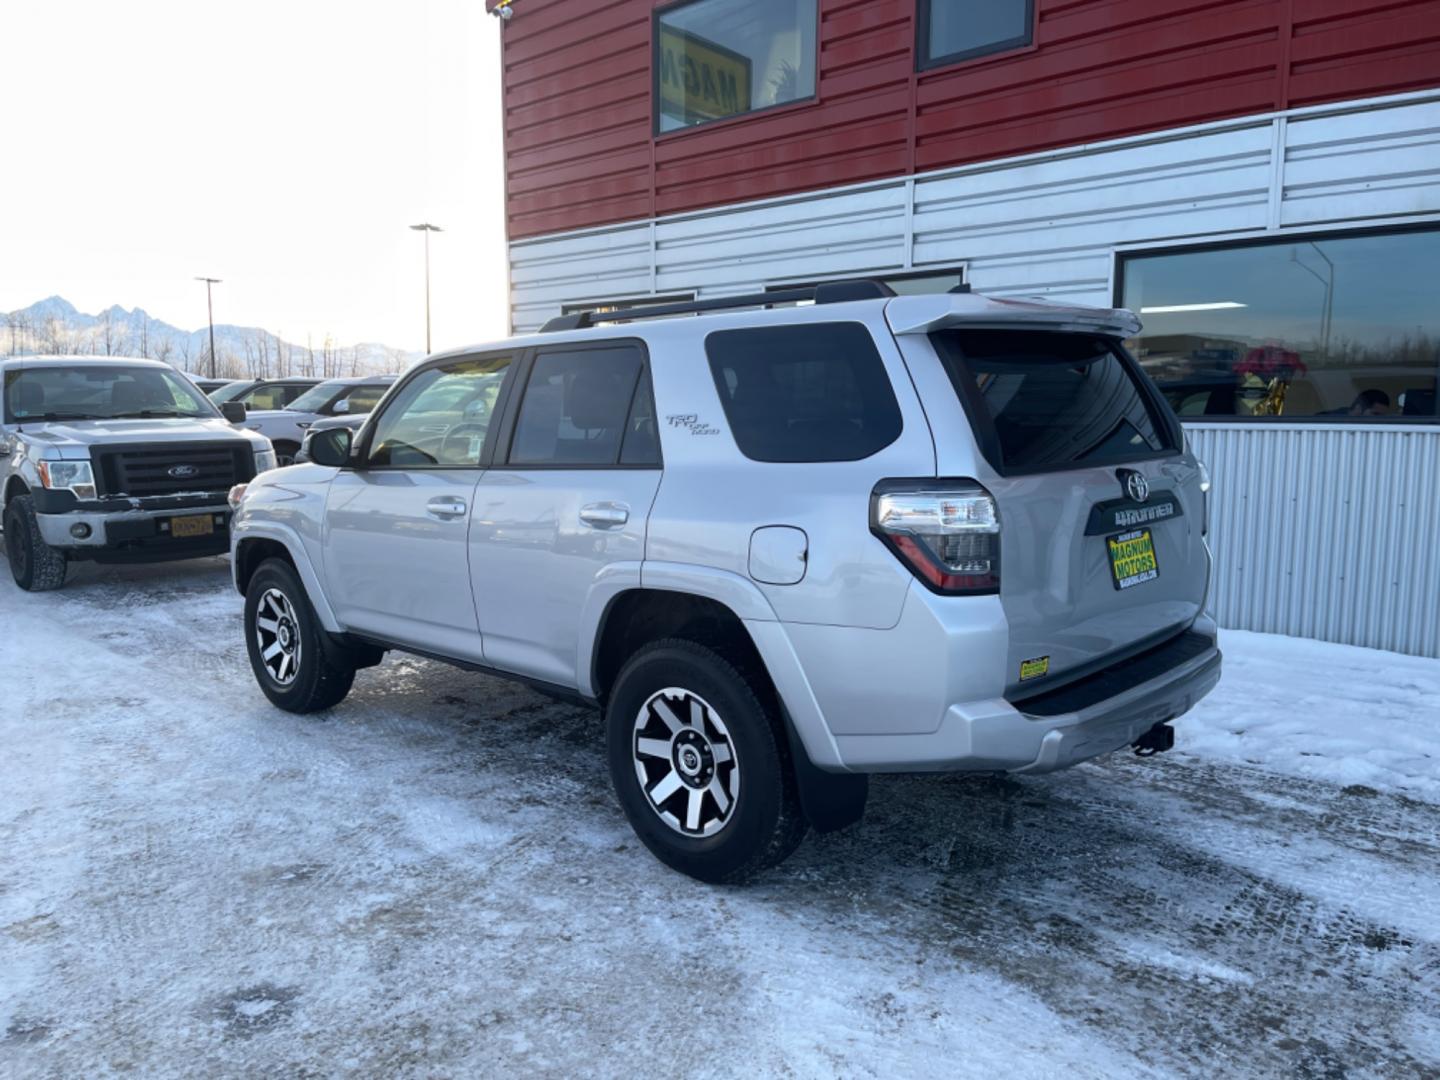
<point>1136,486</point>
<point>183,472</point>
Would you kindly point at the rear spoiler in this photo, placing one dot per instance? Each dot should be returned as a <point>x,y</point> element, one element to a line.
<point>926,314</point>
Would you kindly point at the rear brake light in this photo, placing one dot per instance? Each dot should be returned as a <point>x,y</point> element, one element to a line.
<point>946,531</point>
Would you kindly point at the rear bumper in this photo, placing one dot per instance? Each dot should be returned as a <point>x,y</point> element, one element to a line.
<point>997,735</point>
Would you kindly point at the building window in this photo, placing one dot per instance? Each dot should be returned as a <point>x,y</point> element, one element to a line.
<point>720,58</point>
<point>1337,327</point>
<point>951,30</point>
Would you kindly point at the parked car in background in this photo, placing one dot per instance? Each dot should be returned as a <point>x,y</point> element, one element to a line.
<point>257,394</point>
<point>781,549</point>
<point>285,427</point>
<point>115,460</point>
<point>206,384</point>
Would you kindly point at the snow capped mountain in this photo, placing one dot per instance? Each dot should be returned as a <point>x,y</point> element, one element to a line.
<point>55,326</point>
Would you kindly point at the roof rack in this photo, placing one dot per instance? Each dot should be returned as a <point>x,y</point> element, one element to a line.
<point>827,292</point>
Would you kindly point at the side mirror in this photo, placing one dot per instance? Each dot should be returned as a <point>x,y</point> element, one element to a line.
<point>341,407</point>
<point>331,447</point>
<point>233,411</point>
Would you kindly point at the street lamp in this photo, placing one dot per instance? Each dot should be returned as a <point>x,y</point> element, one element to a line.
<point>427,229</point>
<point>210,308</point>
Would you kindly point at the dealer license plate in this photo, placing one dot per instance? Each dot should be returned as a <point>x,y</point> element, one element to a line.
<point>194,525</point>
<point>1132,558</point>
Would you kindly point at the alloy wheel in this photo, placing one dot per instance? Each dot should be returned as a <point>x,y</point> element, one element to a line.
<point>277,630</point>
<point>686,763</point>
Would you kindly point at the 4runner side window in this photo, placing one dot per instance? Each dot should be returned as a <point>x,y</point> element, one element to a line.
<point>441,417</point>
<point>808,392</point>
<point>577,407</point>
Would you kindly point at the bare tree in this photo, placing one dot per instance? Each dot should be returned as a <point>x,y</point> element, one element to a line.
<point>163,348</point>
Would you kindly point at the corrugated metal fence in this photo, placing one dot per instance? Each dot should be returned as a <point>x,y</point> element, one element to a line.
<point>1326,531</point>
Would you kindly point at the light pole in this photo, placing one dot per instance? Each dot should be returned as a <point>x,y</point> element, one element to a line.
<point>210,309</point>
<point>1327,310</point>
<point>426,228</point>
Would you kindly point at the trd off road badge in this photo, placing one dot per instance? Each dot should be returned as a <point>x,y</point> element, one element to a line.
<point>1033,669</point>
<point>692,423</point>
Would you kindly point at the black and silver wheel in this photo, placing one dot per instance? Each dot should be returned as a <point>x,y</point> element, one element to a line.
<point>34,564</point>
<point>685,761</point>
<point>700,764</point>
<point>286,644</point>
<point>277,632</point>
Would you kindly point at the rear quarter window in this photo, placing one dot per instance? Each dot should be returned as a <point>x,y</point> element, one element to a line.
<point>1045,400</point>
<point>804,393</point>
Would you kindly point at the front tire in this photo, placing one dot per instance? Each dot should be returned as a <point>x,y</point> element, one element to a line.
<point>700,764</point>
<point>35,565</point>
<point>288,652</point>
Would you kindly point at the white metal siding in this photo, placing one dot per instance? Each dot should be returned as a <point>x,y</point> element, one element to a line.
<point>1050,224</point>
<point>1326,531</point>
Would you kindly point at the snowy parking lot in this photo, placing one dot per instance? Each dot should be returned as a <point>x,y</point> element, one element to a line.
<point>435,879</point>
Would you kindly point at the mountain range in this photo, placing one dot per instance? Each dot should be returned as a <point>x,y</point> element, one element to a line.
<point>54,326</point>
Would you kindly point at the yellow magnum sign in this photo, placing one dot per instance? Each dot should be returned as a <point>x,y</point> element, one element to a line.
<point>700,80</point>
<point>1132,556</point>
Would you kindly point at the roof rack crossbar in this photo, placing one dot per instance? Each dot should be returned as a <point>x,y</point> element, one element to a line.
<point>827,292</point>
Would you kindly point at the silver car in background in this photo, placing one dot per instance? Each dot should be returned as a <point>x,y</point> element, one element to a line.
<point>782,548</point>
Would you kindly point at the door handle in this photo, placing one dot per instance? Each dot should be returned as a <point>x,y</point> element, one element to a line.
<point>446,506</point>
<point>605,515</point>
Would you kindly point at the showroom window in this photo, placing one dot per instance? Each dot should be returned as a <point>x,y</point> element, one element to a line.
<point>720,58</point>
<point>952,30</point>
<point>1331,327</point>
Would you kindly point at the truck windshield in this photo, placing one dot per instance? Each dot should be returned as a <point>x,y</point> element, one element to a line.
<point>1050,400</point>
<point>317,397</point>
<point>101,392</point>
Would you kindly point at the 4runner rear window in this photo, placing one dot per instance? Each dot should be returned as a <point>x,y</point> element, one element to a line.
<point>1044,399</point>
<point>808,392</point>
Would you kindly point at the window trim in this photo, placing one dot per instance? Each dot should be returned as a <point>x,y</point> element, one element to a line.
<point>365,434</point>
<point>869,332</point>
<point>510,417</point>
<point>925,62</point>
<point>1300,236</point>
<point>657,134</point>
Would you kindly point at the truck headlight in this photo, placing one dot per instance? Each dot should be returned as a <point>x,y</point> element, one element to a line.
<point>265,460</point>
<point>73,476</point>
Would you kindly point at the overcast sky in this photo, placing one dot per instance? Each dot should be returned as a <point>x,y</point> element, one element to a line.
<point>281,145</point>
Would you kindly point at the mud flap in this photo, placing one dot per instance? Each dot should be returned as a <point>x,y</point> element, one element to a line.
<point>830,801</point>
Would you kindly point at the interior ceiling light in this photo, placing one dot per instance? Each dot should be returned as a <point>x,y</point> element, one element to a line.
<point>1167,309</point>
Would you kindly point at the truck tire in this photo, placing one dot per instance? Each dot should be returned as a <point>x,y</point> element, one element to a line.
<point>700,765</point>
<point>297,669</point>
<point>36,566</point>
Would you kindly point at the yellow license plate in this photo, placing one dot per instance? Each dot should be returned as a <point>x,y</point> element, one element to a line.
<point>195,525</point>
<point>1132,558</point>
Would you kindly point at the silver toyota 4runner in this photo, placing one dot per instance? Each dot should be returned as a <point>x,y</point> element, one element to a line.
<point>114,461</point>
<point>781,548</point>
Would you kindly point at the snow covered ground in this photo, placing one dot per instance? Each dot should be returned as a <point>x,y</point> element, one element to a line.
<point>434,880</point>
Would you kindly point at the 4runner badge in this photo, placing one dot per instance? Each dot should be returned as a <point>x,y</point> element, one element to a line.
<point>693,422</point>
<point>1033,669</point>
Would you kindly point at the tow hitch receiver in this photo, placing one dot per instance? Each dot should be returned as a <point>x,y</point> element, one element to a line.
<point>1157,740</point>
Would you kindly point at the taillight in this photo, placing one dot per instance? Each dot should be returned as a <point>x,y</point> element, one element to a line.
<point>946,531</point>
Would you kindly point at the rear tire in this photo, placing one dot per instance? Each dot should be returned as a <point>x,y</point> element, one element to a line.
<point>700,764</point>
<point>297,669</point>
<point>35,565</point>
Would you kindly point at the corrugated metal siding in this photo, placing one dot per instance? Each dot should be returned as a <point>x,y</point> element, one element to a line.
<point>1326,532</point>
<point>580,153</point>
